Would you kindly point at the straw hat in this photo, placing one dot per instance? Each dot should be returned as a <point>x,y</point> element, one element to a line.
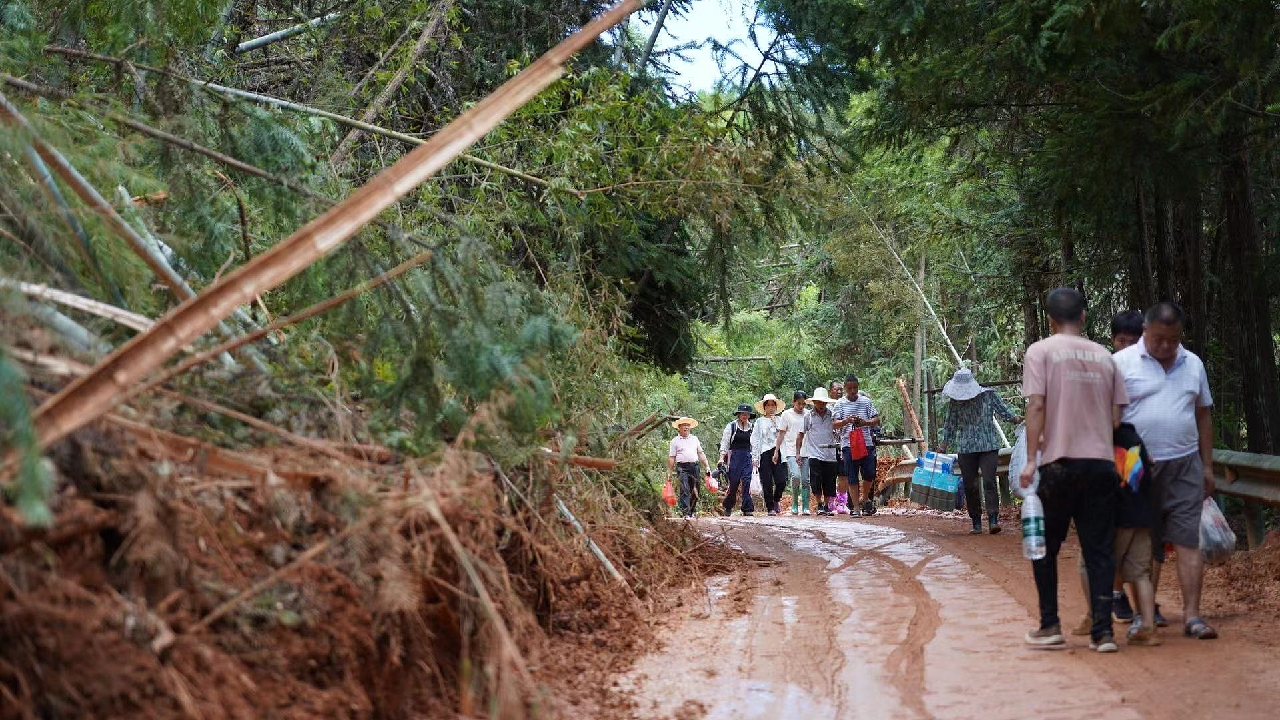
<point>963,386</point>
<point>768,396</point>
<point>684,421</point>
<point>821,395</point>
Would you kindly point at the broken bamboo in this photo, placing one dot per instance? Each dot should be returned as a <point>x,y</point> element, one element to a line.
<point>128,319</point>
<point>307,110</point>
<point>591,544</point>
<point>286,33</point>
<point>371,113</point>
<point>95,393</point>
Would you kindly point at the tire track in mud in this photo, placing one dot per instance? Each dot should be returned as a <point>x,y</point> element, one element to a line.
<point>905,666</point>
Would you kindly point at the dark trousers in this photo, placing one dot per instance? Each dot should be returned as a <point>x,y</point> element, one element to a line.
<point>1083,491</point>
<point>822,478</point>
<point>739,479</point>
<point>773,479</point>
<point>690,486</point>
<point>975,468</point>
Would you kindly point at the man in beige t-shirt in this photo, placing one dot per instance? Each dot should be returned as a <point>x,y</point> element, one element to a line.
<point>1074,397</point>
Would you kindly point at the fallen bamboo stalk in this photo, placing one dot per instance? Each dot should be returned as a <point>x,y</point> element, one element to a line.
<point>306,110</point>
<point>286,33</point>
<point>747,358</point>
<point>80,337</point>
<point>910,411</point>
<point>911,278</point>
<point>591,544</point>
<point>95,393</point>
<point>121,317</point>
<point>371,113</point>
<point>258,333</point>
<point>584,461</point>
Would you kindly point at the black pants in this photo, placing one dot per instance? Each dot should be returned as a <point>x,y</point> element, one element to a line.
<point>690,486</point>
<point>975,468</point>
<point>822,478</point>
<point>1083,491</point>
<point>773,479</point>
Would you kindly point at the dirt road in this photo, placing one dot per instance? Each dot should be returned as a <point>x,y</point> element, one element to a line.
<point>910,617</point>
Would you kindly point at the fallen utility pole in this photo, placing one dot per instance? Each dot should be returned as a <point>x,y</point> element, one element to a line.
<point>286,33</point>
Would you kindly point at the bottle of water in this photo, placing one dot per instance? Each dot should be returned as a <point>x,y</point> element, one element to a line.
<point>1033,542</point>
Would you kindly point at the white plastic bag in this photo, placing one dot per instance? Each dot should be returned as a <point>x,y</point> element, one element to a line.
<point>1017,460</point>
<point>1217,539</point>
<point>756,487</point>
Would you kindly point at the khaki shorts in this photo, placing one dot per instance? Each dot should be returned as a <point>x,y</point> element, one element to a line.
<point>1133,554</point>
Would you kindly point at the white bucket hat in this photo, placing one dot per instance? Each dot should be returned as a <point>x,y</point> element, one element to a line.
<point>963,386</point>
<point>768,397</point>
<point>821,395</point>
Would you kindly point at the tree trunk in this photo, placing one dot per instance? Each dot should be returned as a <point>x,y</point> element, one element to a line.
<point>1030,313</point>
<point>1252,340</point>
<point>1163,244</point>
<point>1140,292</point>
<point>1188,239</point>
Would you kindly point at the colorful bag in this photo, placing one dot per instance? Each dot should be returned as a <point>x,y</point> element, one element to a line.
<point>712,485</point>
<point>669,493</point>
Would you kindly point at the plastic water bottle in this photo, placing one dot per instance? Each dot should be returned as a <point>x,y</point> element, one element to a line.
<point>1033,542</point>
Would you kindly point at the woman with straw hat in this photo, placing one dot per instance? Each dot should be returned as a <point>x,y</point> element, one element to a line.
<point>683,456</point>
<point>735,449</point>
<point>970,429</point>
<point>766,454</point>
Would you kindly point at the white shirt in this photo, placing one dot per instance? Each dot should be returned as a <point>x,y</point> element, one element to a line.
<point>1162,404</point>
<point>793,423</point>
<point>685,449</point>
<point>764,436</point>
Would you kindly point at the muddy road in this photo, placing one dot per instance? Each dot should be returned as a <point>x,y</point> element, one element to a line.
<point>909,617</point>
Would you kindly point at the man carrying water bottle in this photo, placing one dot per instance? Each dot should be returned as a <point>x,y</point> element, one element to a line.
<point>1074,399</point>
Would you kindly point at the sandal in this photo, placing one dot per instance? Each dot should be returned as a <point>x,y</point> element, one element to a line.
<point>1199,630</point>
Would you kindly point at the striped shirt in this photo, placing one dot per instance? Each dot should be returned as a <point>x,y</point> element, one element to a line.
<point>969,428</point>
<point>819,437</point>
<point>863,409</point>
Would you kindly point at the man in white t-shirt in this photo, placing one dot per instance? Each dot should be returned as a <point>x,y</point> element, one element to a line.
<point>684,455</point>
<point>790,425</point>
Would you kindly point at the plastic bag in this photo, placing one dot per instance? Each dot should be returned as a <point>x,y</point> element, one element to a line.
<point>669,493</point>
<point>756,487</point>
<point>1217,539</point>
<point>1017,460</point>
<point>712,485</point>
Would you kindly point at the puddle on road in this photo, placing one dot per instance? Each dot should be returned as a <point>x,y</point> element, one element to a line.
<point>749,699</point>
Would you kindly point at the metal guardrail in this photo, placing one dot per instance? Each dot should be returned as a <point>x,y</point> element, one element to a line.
<point>1251,477</point>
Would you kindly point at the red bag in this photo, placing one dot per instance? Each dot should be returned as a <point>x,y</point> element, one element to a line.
<point>669,493</point>
<point>712,485</point>
<point>857,448</point>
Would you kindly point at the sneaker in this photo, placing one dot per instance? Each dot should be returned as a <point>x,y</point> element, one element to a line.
<point>1045,637</point>
<point>1104,644</point>
<point>747,513</point>
<point>995,528</point>
<point>1145,636</point>
<point>806,512</point>
<point>1160,621</point>
<point>1084,627</point>
<point>868,508</point>
<point>1121,610</point>
<point>855,513</point>
<point>977,529</point>
<point>773,513</point>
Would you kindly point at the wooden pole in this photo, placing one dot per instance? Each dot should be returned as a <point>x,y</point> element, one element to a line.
<point>286,33</point>
<point>910,411</point>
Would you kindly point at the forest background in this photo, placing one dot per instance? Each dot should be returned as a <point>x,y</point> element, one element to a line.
<point>592,253</point>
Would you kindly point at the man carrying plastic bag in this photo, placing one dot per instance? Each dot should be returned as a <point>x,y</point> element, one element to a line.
<point>1170,405</point>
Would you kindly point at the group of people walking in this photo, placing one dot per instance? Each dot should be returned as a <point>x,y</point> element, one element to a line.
<point>808,449</point>
<point>1119,443</point>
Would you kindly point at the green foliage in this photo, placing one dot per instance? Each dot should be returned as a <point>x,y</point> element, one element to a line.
<point>30,490</point>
